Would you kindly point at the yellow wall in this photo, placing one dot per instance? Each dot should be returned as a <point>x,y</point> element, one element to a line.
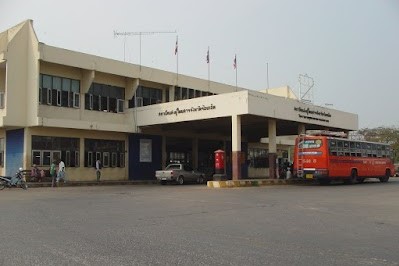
<point>79,173</point>
<point>80,118</point>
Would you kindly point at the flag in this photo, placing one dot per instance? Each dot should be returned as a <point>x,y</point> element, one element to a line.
<point>207,56</point>
<point>235,62</point>
<point>176,46</point>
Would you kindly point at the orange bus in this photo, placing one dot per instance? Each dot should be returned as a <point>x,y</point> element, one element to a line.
<point>326,157</point>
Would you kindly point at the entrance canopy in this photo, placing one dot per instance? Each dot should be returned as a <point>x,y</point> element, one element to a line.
<point>213,114</point>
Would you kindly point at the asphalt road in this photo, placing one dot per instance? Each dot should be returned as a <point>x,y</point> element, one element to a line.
<point>195,225</point>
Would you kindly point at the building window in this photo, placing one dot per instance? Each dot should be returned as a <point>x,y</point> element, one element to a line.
<point>146,96</point>
<point>106,159</point>
<point>258,158</point>
<point>59,91</point>
<point>89,159</point>
<point>102,150</point>
<point>121,162</point>
<point>37,157</point>
<point>46,150</point>
<point>1,100</point>
<point>114,159</point>
<point>106,98</point>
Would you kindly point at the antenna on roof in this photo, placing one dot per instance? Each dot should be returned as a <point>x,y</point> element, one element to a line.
<point>135,33</point>
<point>308,83</point>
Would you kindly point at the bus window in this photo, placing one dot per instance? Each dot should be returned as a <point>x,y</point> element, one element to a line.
<point>364,149</point>
<point>340,149</point>
<point>383,153</point>
<point>369,153</point>
<point>352,147</point>
<point>374,150</point>
<point>379,151</point>
<point>358,149</point>
<point>333,147</point>
<point>346,148</point>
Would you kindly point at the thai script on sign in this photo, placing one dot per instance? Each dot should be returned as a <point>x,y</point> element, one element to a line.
<point>310,114</point>
<point>178,110</point>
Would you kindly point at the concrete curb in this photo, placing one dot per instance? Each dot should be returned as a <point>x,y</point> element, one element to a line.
<point>253,183</point>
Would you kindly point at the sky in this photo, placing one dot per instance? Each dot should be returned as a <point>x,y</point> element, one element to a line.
<point>349,48</point>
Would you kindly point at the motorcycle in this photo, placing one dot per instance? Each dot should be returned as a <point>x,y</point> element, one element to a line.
<point>18,180</point>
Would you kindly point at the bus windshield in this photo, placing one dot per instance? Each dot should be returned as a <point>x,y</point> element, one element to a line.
<point>310,144</point>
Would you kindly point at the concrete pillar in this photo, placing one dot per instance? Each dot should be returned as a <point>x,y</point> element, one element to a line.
<point>236,146</point>
<point>171,93</point>
<point>164,155</point>
<point>272,148</point>
<point>301,129</point>
<point>82,153</point>
<point>194,153</point>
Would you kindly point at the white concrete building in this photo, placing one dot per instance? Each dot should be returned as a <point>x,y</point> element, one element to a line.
<point>57,103</point>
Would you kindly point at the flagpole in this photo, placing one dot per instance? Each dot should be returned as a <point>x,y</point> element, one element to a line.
<point>235,60</point>
<point>177,59</point>
<point>209,71</point>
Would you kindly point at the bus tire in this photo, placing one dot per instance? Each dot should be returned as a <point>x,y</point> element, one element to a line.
<point>386,177</point>
<point>353,178</point>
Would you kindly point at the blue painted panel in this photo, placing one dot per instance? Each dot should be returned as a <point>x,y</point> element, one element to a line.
<point>14,150</point>
<point>144,170</point>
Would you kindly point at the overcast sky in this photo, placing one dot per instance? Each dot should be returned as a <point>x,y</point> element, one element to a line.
<point>349,48</point>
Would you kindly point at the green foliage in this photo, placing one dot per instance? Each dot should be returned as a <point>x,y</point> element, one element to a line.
<point>388,135</point>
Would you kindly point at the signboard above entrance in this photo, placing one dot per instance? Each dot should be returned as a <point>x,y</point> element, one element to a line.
<point>178,110</point>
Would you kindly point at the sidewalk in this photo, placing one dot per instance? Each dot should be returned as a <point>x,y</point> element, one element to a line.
<point>93,183</point>
<point>256,182</point>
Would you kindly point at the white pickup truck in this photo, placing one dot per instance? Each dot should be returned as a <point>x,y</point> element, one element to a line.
<point>180,174</point>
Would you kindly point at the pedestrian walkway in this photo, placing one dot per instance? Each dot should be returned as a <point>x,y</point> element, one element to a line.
<point>255,182</point>
<point>93,183</point>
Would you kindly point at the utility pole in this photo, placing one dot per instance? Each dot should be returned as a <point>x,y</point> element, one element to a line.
<point>135,33</point>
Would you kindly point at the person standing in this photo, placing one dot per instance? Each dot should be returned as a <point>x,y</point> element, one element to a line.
<point>98,170</point>
<point>61,171</point>
<point>52,173</point>
<point>35,173</point>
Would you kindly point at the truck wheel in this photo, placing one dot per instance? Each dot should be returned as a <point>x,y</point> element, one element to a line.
<point>180,180</point>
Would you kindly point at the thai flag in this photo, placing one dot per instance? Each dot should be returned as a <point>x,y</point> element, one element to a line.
<point>207,56</point>
<point>176,47</point>
<point>235,62</point>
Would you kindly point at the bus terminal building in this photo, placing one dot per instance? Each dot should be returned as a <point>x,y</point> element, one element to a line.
<point>61,104</point>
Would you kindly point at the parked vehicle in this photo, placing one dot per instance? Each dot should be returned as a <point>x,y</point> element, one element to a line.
<point>18,180</point>
<point>329,156</point>
<point>180,174</point>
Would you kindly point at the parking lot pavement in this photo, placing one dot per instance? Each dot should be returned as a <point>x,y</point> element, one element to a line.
<point>192,224</point>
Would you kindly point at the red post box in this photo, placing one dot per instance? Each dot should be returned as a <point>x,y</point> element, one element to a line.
<point>219,162</point>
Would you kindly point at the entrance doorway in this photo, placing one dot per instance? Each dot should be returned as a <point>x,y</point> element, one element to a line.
<point>206,155</point>
<point>178,150</point>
